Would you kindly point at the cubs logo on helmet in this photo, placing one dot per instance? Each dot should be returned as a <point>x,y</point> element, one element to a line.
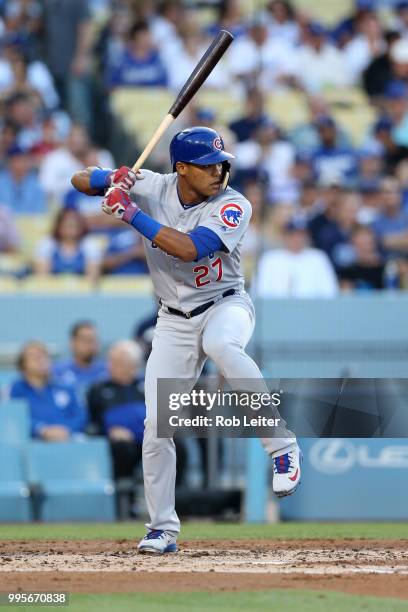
<point>217,143</point>
<point>231,215</point>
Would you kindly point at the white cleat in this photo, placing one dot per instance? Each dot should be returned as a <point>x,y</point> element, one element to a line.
<point>158,541</point>
<point>286,472</point>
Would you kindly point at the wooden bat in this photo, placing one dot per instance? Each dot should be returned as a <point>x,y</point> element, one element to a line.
<point>200,73</point>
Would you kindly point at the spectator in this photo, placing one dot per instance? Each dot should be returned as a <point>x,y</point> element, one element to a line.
<point>399,58</point>
<point>379,71</point>
<point>256,60</point>
<point>68,40</point>
<point>397,109</point>
<point>305,136</point>
<point>19,75</point>
<point>366,272</point>
<point>144,332</point>
<point>230,18</point>
<point>24,20</point>
<point>367,44</point>
<point>370,168</point>
<point>270,154</point>
<point>165,23</point>
<point>84,367</point>
<point>58,166</point>
<point>140,64</point>
<point>8,137</point>
<point>9,237</point>
<point>254,116</point>
<point>331,229</point>
<point>325,64</point>
<point>255,238</point>
<point>20,188</point>
<point>401,17</point>
<point>382,137</point>
<point>56,414</point>
<point>124,254</point>
<point>295,270</point>
<point>117,407</point>
<point>332,162</point>
<point>186,55</point>
<point>68,250</point>
<point>22,109</point>
<point>391,224</point>
<point>112,38</point>
<point>282,22</point>
<point>117,410</point>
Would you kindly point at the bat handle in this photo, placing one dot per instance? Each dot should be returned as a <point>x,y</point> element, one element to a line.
<point>165,124</point>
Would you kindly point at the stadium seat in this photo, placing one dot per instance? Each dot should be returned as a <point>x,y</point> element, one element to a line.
<point>9,285</point>
<point>65,283</point>
<point>15,504</point>
<point>32,228</point>
<point>14,423</point>
<point>141,285</point>
<point>140,118</point>
<point>11,263</point>
<point>73,479</point>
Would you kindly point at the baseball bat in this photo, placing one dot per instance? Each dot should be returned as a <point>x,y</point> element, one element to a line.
<point>200,73</point>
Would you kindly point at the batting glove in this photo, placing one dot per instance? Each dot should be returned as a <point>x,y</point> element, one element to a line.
<point>124,178</point>
<point>117,202</point>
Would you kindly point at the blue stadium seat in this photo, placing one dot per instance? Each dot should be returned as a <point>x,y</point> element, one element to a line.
<point>14,493</point>
<point>74,479</point>
<point>14,423</point>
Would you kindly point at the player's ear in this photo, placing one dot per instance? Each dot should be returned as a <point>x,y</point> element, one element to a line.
<point>181,168</point>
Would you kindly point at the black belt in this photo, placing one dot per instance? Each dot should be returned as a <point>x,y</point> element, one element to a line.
<point>199,309</point>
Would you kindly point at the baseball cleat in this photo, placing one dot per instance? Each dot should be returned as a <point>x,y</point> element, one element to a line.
<point>286,472</point>
<point>158,541</point>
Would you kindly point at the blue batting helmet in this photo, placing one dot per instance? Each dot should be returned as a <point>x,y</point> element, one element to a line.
<point>198,145</point>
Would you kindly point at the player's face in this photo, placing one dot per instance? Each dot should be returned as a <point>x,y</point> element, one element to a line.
<point>204,181</point>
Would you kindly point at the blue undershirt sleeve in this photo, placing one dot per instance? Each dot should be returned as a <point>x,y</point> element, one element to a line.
<point>206,241</point>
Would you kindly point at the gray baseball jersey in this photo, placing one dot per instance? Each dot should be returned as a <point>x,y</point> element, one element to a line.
<point>180,345</point>
<point>186,285</point>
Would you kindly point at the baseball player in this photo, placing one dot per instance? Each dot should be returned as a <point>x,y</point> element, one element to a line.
<point>192,227</point>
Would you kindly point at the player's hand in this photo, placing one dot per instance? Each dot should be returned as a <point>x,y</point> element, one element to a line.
<point>117,202</point>
<point>124,178</point>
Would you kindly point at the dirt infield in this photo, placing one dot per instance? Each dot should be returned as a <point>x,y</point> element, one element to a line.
<point>364,567</point>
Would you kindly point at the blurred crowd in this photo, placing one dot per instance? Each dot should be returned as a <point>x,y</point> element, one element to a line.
<point>90,392</point>
<point>329,214</point>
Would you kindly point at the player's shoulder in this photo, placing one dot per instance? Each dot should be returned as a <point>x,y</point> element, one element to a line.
<point>232,196</point>
<point>232,208</point>
<point>153,182</point>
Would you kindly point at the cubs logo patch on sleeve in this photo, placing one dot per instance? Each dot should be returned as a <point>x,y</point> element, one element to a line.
<point>231,215</point>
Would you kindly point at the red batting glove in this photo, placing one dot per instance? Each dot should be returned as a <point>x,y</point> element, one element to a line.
<point>124,178</point>
<point>117,202</point>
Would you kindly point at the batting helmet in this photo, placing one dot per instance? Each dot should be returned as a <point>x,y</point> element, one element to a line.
<point>198,145</point>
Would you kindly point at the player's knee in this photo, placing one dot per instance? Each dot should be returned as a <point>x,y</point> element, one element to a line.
<point>219,348</point>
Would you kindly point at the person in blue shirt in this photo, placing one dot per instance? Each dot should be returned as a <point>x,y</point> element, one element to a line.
<point>56,413</point>
<point>140,64</point>
<point>117,410</point>
<point>84,367</point>
<point>117,407</point>
<point>69,250</point>
<point>391,223</point>
<point>332,161</point>
<point>253,118</point>
<point>124,254</point>
<point>19,185</point>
